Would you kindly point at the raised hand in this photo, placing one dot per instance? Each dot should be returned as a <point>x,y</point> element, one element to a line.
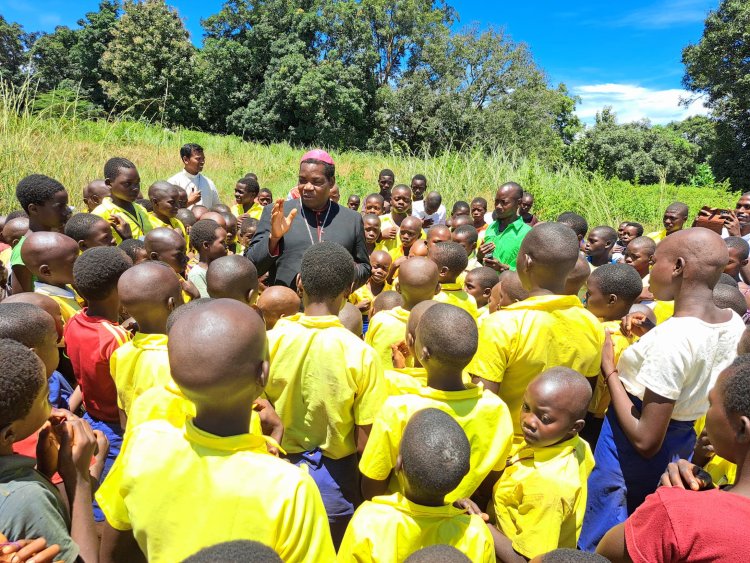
<point>280,225</point>
<point>121,227</point>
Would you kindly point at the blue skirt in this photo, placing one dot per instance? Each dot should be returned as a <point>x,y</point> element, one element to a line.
<point>622,478</point>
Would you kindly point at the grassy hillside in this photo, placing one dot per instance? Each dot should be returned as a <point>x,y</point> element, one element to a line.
<point>74,150</point>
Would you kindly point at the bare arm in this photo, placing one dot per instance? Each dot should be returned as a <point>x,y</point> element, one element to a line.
<point>490,385</point>
<point>119,547</point>
<point>373,488</point>
<point>504,548</point>
<point>21,279</point>
<point>613,545</point>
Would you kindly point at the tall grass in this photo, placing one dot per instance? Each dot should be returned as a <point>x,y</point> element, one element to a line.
<point>72,148</point>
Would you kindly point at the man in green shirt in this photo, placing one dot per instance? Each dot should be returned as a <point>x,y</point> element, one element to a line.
<point>503,238</point>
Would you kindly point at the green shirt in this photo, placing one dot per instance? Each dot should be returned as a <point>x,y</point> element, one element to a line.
<point>15,257</point>
<point>508,241</point>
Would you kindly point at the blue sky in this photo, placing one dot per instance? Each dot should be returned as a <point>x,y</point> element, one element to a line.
<point>624,54</point>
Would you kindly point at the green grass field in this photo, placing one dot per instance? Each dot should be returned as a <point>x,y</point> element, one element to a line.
<point>74,150</point>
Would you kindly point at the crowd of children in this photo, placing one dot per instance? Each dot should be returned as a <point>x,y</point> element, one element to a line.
<point>501,386</point>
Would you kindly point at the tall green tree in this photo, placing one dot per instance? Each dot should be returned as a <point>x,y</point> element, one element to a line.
<point>51,58</point>
<point>152,64</point>
<point>718,68</point>
<point>14,43</point>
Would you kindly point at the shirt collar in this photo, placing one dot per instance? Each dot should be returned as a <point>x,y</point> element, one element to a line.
<point>540,455</point>
<point>241,442</point>
<point>403,504</point>
<point>53,290</point>
<point>471,392</point>
<point>322,321</point>
<point>455,286</point>
<point>546,303</point>
<point>400,313</point>
<point>514,226</point>
<point>150,341</point>
<point>189,175</point>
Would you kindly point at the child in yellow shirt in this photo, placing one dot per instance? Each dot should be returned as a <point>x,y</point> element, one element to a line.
<point>547,329</point>
<point>124,182</point>
<point>612,291</point>
<point>408,233</point>
<point>434,456</point>
<point>380,264</point>
<point>418,281</point>
<point>165,245</point>
<point>165,199</point>
<point>218,357</point>
<point>451,260</point>
<point>89,231</point>
<point>402,379</point>
<point>277,302</point>
<point>325,383</point>
<point>50,257</point>
<point>371,222</point>
<point>232,277</point>
<point>479,283</point>
<point>540,499</point>
<point>391,223</point>
<point>445,343</point>
<point>246,192</point>
<point>148,292</point>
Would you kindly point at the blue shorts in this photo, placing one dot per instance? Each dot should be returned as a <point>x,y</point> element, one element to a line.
<point>622,478</point>
<point>338,482</point>
<point>113,431</point>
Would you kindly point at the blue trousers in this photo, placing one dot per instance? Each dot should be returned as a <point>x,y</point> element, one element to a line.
<point>113,431</point>
<point>338,482</point>
<point>622,478</point>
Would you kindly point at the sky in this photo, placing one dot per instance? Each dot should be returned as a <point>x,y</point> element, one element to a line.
<point>624,54</point>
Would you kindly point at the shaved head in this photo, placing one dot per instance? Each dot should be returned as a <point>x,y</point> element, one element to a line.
<point>15,229</point>
<point>148,285</point>
<point>161,239</point>
<point>416,315</point>
<point>45,247</point>
<point>704,252</point>
<point>278,301</point>
<point>552,252</point>
<point>412,222</point>
<point>233,277</point>
<point>448,334</point>
<point>578,277</point>
<point>161,188</point>
<point>565,388</point>
<point>418,272</point>
<point>215,216</point>
<point>386,301</point>
<point>351,317</point>
<point>512,287</point>
<point>226,335</point>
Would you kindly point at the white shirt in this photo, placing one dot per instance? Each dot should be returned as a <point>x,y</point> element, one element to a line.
<point>680,359</point>
<point>417,210</point>
<point>725,234</point>
<point>197,182</point>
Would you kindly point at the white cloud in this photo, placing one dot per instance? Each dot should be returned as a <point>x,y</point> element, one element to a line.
<point>633,103</point>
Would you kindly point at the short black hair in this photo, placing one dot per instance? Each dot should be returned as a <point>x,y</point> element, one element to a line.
<point>265,191</point>
<point>248,223</point>
<point>618,279</point>
<point>235,551</point>
<point>37,189</point>
<point>23,378</point>
<point>468,230</point>
<point>450,333</point>
<point>175,315</point>
<point>113,165</point>
<point>739,244</point>
<point>25,323</point>
<point>729,297</point>
<point>450,255</point>
<point>606,232</point>
<point>386,172</point>
<point>379,197</point>
<point>638,228</point>
<point>479,200</point>
<point>736,388</point>
<point>679,207</point>
<point>387,300</point>
<point>575,222</point>
<point>487,278</point>
<point>728,280</point>
<point>419,178</point>
<point>329,170</point>
<point>147,204</point>
<point>203,231</point>
<point>460,205</point>
<point>186,217</point>
<point>567,555</point>
<point>187,150</point>
<point>97,271</point>
<point>79,225</point>
<point>439,553</point>
<point>647,242</point>
<point>130,247</point>
<point>250,182</point>
<point>327,270</point>
<point>435,452</point>
<point>525,194</point>
<point>232,271</point>
<point>15,215</point>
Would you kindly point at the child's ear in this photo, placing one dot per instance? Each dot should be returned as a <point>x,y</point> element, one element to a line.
<point>44,270</point>
<point>612,299</point>
<point>744,263</point>
<point>487,292</point>
<point>153,256</point>
<point>444,270</point>
<point>32,209</point>
<point>300,287</point>
<point>82,245</point>
<point>410,340</point>
<point>578,426</point>
<point>679,267</point>
<point>263,373</point>
<point>252,296</point>
<point>108,182</point>
<point>397,287</point>
<point>423,355</point>
<point>171,304</point>
<point>7,437</point>
<point>438,288</point>
<point>399,463</point>
<point>743,431</point>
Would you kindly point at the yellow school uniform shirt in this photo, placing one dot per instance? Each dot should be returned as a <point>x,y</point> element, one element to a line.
<point>138,365</point>
<point>453,294</point>
<point>66,298</point>
<point>257,496</point>
<point>255,211</point>
<point>522,340</point>
<point>364,293</point>
<point>389,244</point>
<point>5,257</point>
<point>387,328</point>
<point>483,312</point>
<point>601,398</point>
<point>540,499</point>
<point>323,381</point>
<point>663,310</point>
<point>405,380</point>
<point>139,222</point>
<point>174,223</point>
<point>722,471</point>
<point>482,415</point>
<point>390,528</point>
<point>658,236</point>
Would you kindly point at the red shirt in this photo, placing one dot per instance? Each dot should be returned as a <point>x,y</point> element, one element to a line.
<point>90,342</point>
<point>678,525</point>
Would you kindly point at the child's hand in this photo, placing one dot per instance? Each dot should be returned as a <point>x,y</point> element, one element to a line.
<point>427,223</point>
<point>389,233</point>
<point>189,288</point>
<point>77,445</point>
<point>48,445</point>
<point>486,249</point>
<point>194,198</point>
<point>364,305</point>
<point>636,324</point>
<point>704,450</point>
<point>121,226</point>
<point>27,550</point>
<point>399,353</point>
<point>496,265</point>
<point>270,422</point>
<point>471,508</point>
<point>686,475</point>
<point>608,355</point>
<point>240,219</point>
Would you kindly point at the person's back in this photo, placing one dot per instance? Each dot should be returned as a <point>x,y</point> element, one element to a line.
<point>451,260</point>
<point>253,495</point>
<point>547,329</point>
<point>435,457</point>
